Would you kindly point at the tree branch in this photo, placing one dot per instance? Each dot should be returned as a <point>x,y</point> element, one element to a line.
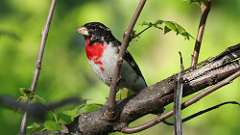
<point>37,71</point>
<point>178,100</point>
<point>153,98</point>
<point>37,111</point>
<point>205,8</point>
<point>125,42</point>
<point>188,118</point>
<point>184,105</point>
<point>209,109</point>
<point>202,112</point>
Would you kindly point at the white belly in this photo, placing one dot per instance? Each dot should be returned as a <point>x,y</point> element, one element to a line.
<point>129,78</point>
<point>109,59</point>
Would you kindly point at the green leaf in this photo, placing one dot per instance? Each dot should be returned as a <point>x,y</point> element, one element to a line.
<point>25,91</point>
<point>34,127</point>
<point>166,30</point>
<point>168,26</point>
<point>171,25</point>
<point>64,118</point>
<point>78,110</point>
<point>90,108</point>
<point>55,120</point>
<point>159,22</point>
<point>74,112</point>
<point>22,99</point>
<point>52,125</point>
<point>38,99</point>
<point>26,94</point>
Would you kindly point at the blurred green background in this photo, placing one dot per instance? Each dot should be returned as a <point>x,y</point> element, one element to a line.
<point>65,70</point>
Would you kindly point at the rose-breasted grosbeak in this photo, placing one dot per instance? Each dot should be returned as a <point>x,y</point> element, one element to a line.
<point>102,50</point>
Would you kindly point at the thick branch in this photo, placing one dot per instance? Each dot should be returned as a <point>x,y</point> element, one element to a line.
<point>153,98</point>
<point>184,105</point>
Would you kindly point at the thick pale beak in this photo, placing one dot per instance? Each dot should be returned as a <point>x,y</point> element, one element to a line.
<point>83,31</point>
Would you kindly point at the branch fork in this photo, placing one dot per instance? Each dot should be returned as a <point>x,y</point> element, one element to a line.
<point>44,35</point>
<point>126,39</point>
<point>205,9</point>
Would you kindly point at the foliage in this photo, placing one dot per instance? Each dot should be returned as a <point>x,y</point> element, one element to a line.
<point>56,120</point>
<point>168,26</point>
<point>27,94</point>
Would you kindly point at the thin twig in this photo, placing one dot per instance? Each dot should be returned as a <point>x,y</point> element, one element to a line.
<point>141,32</point>
<point>124,45</point>
<point>37,111</point>
<point>209,109</point>
<point>205,8</point>
<point>193,100</point>
<point>36,75</point>
<point>202,112</point>
<point>178,100</point>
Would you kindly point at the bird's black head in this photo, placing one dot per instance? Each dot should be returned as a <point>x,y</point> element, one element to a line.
<point>96,31</point>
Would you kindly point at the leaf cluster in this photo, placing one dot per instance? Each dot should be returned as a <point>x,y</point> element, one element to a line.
<point>168,26</point>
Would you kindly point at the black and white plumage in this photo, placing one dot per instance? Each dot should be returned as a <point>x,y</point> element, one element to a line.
<point>102,50</point>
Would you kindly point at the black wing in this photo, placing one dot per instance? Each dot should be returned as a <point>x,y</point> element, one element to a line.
<point>128,57</point>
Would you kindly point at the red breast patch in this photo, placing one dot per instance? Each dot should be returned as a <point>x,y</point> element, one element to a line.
<point>94,52</point>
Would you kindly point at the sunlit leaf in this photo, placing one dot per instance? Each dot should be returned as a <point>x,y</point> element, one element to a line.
<point>52,125</point>
<point>90,108</point>
<point>34,127</point>
<point>78,110</point>
<point>73,112</point>
<point>171,25</point>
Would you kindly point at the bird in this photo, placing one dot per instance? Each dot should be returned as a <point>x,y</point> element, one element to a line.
<point>102,50</point>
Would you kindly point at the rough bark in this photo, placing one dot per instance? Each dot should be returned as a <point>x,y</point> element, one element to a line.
<point>153,98</point>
